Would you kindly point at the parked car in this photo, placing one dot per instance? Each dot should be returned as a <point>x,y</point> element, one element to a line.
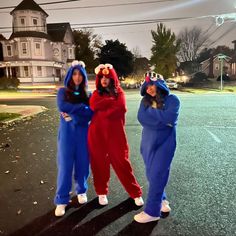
<point>172,84</point>
<point>225,77</point>
<point>130,84</point>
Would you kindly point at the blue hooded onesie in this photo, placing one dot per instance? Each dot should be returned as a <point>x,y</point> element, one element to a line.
<point>158,142</point>
<point>72,142</point>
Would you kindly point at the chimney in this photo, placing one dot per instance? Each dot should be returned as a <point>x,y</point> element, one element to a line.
<point>234,42</point>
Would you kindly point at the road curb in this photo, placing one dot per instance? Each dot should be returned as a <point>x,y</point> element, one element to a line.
<point>34,112</point>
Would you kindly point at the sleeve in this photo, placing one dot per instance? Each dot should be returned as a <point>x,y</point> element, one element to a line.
<point>118,108</point>
<point>166,116</point>
<point>82,119</point>
<point>98,102</point>
<point>72,109</point>
<point>144,118</point>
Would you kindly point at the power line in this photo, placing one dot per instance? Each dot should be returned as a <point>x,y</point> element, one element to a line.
<point>43,4</point>
<point>111,23</point>
<point>223,35</point>
<point>111,5</point>
<point>97,6</point>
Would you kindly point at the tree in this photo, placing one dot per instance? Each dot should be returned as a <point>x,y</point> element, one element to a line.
<point>192,41</point>
<point>141,65</point>
<point>136,52</point>
<point>206,53</point>
<point>164,50</point>
<point>118,55</point>
<point>87,48</point>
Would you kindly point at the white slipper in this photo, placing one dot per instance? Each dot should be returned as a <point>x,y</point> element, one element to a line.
<point>145,218</point>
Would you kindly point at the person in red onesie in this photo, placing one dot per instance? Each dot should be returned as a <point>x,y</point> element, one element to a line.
<point>107,138</point>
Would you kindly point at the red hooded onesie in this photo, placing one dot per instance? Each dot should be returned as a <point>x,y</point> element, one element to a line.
<point>107,138</point>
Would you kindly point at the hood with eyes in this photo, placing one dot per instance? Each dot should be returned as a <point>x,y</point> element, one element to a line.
<point>79,65</point>
<point>108,71</point>
<point>153,79</point>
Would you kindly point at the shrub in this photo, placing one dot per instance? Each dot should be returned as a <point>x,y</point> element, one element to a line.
<point>7,83</point>
<point>199,77</point>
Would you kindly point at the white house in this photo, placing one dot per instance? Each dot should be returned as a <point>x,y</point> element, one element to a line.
<point>36,52</point>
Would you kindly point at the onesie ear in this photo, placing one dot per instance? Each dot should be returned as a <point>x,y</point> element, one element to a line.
<point>99,68</point>
<point>109,66</point>
<point>76,63</point>
<point>82,64</point>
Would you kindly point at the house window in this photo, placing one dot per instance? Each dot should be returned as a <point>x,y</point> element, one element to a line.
<point>39,70</point>
<point>22,21</point>
<point>26,71</point>
<point>64,53</point>
<point>35,22</point>
<point>217,66</point>
<point>9,51</point>
<point>70,53</point>
<point>24,48</point>
<point>37,49</point>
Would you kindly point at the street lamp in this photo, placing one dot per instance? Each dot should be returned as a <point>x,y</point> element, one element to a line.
<point>221,19</point>
<point>221,58</point>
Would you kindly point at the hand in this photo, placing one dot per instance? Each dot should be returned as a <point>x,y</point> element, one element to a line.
<point>64,114</point>
<point>154,104</point>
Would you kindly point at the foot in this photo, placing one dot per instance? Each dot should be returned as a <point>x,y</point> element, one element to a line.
<point>165,207</point>
<point>145,218</point>
<point>139,201</point>
<point>102,199</point>
<point>60,210</point>
<point>82,198</point>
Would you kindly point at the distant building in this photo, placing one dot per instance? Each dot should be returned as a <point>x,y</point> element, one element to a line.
<point>233,62</point>
<point>1,54</point>
<point>212,66</point>
<point>36,52</point>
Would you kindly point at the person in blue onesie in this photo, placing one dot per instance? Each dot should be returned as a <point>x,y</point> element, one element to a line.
<point>158,114</point>
<point>75,115</point>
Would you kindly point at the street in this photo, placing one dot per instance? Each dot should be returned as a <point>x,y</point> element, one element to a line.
<point>201,188</point>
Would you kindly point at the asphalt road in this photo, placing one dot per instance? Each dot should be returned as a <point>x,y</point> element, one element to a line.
<point>201,188</point>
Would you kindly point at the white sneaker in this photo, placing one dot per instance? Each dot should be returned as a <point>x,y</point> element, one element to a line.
<point>165,207</point>
<point>82,198</point>
<point>139,201</point>
<point>145,218</point>
<point>102,199</point>
<point>60,210</point>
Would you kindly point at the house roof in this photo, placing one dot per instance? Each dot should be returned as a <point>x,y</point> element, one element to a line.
<point>233,60</point>
<point>216,57</point>
<point>27,34</point>
<point>2,37</point>
<point>57,31</point>
<point>29,5</point>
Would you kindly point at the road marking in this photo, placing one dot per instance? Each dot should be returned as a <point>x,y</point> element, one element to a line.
<point>214,136</point>
<point>221,127</point>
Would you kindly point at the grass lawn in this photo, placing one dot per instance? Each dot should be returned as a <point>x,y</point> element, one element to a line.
<point>230,89</point>
<point>8,116</point>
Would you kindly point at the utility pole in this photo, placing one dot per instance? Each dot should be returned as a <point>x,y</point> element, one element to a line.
<point>221,58</point>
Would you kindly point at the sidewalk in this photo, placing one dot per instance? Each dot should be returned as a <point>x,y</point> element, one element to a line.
<point>5,95</point>
<point>24,111</point>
